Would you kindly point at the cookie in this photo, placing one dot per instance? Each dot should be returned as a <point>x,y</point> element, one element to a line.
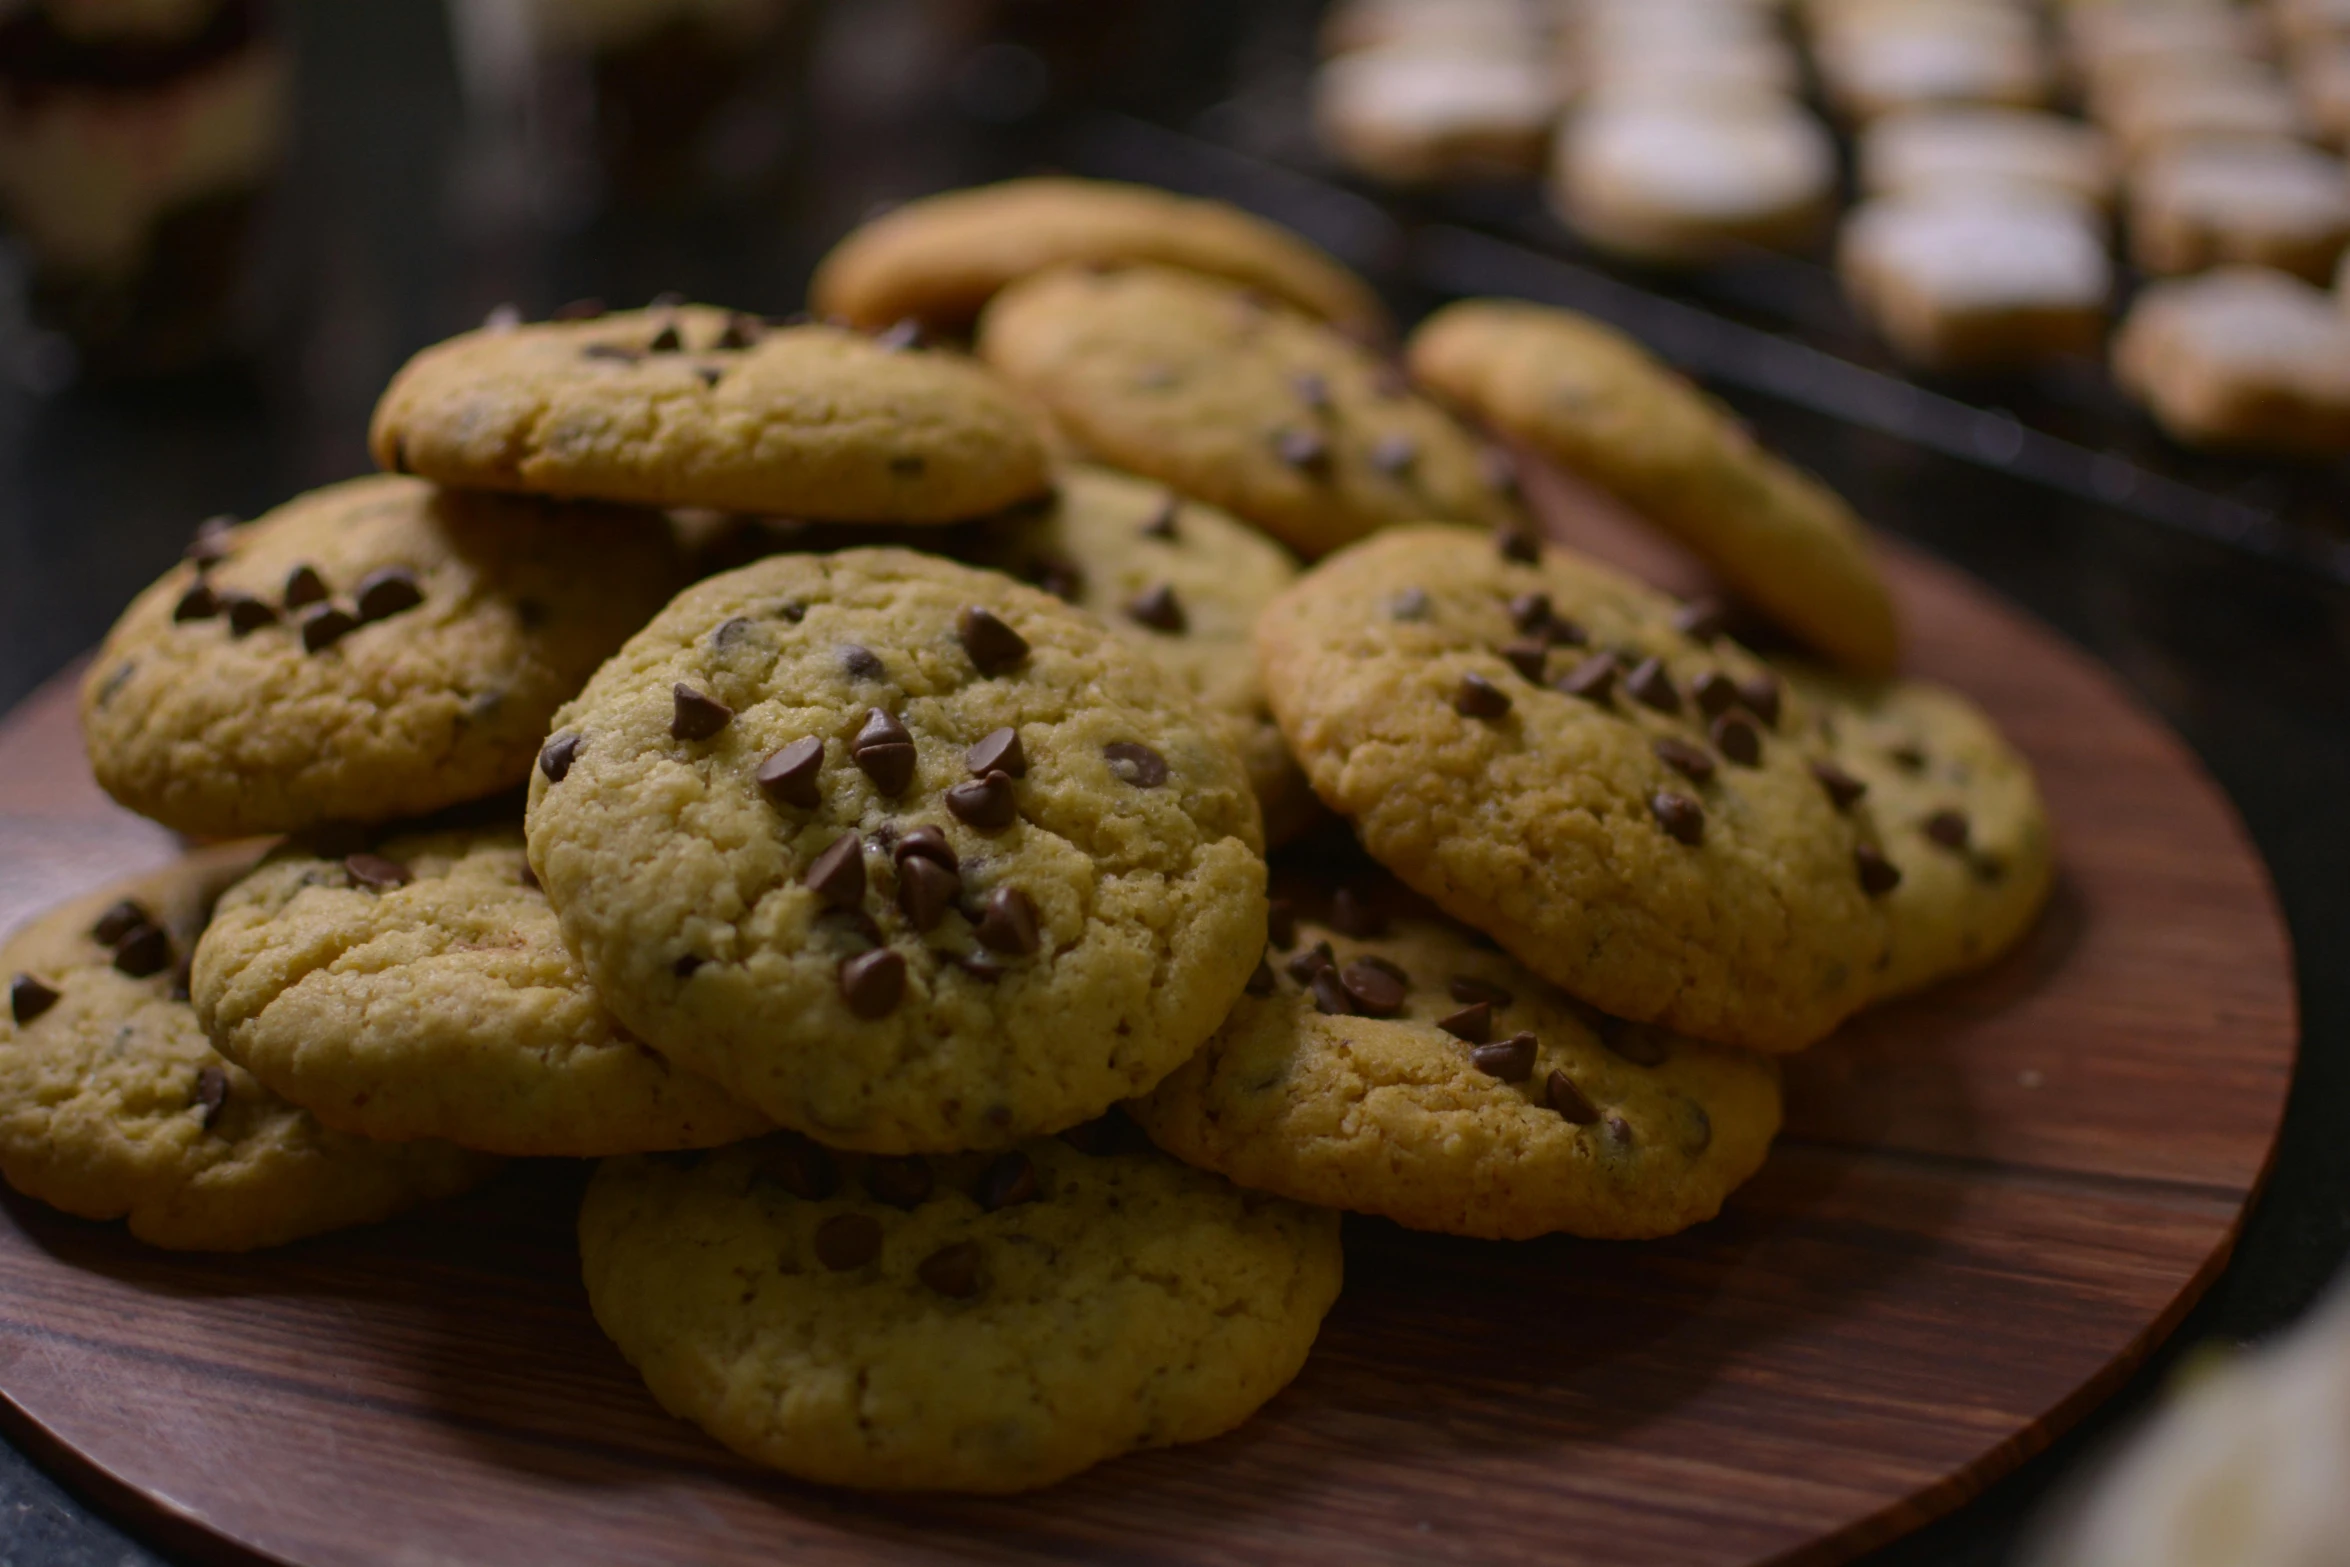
<point>1887,59</point>
<point>1594,400</point>
<point>2240,359</point>
<point>1978,277</point>
<point>1180,581</point>
<point>2266,204</point>
<point>1271,416</point>
<point>1955,809</point>
<point>114,1106</point>
<point>1415,1073</point>
<point>700,407</point>
<point>939,260</point>
<point>902,853</point>
<point>419,987</point>
<point>1536,746</point>
<point>1662,177</point>
<point>1414,114</point>
<point>2163,109</point>
<point>966,1323</point>
<point>375,649</point>
<point>1933,150</point>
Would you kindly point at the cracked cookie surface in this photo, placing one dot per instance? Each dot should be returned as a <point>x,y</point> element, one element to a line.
<point>1538,748</point>
<point>901,852</point>
<point>1409,1073</point>
<point>698,407</point>
<point>1589,397</point>
<point>940,259</point>
<point>113,1105</point>
<point>421,988</point>
<point>375,649</point>
<point>1273,416</point>
<point>965,1322</point>
<point>1183,583</point>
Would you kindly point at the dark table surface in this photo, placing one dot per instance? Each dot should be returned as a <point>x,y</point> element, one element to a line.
<point>405,212</point>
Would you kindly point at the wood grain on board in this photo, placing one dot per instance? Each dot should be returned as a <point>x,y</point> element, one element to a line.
<point>1991,1201</point>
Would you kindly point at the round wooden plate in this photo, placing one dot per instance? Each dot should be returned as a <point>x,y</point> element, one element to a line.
<point>1990,1202</point>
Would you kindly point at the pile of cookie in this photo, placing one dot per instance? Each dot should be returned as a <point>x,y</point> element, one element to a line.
<point>824,770</point>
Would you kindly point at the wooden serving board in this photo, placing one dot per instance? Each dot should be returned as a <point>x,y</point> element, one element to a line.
<point>1989,1204</point>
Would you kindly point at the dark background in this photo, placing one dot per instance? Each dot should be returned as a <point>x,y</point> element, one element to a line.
<point>2215,590</point>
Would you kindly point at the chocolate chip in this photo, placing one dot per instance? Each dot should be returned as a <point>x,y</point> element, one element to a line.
<point>666,341</point>
<point>953,1271</point>
<point>1008,923</point>
<point>1949,829</point>
<point>246,613</point>
<point>1468,990</point>
<point>1158,608</point>
<point>1302,448</point>
<point>211,1094</point>
<point>1572,1104</point>
<point>1692,762</point>
<point>1410,604</point>
<point>1394,455</point>
<point>1330,993</point>
<point>28,998</point>
<point>873,983</point>
<point>1700,619</point>
<point>198,603</point>
<point>556,756</point>
<point>323,626</point>
<point>1262,982</point>
<point>838,874</point>
<point>1909,757</point>
<point>1619,1131</point>
<point>884,752</point>
<point>304,586</point>
<point>210,546</point>
<point>1378,988</point>
<point>710,375</point>
<point>994,646</point>
<point>385,593</point>
<point>698,715</point>
<point>926,843</point>
<point>1736,737</point>
<point>1063,579</point>
<point>1760,693</point>
<point>1311,389</point>
<point>579,310</point>
<point>998,751</point>
<point>119,920</point>
<point>1843,789</point>
<point>1527,658</point>
<point>1478,697</point>
<point>1530,612</point>
<point>985,804</point>
<point>976,964</point>
<point>1678,815</point>
<point>1652,686</point>
<point>1640,1046</point>
<point>1161,522</point>
<point>1511,1059</point>
<point>1305,965</point>
<point>1008,1180</point>
<point>862,663</point>
<point>1136,763</point>
<point>904,1183</point>
<point>376,873</point>
<point>899,336</point>
<point>1518,543</point>
<point>1878,875</point>
<point>1281,923</point>
<point>1715,692</point>
<point>789,777</point>
<point>741,331</point>
<point>1473,1023</point>
<point>848,1240</point>
<point>144,951</point>
<point>801,1167</point>
<point>926,890</point>
<point>1592,680</point>
<point>1356,912</point>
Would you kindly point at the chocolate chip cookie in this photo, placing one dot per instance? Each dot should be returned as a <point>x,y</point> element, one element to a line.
<point>694,406</point>
<point>938,260</point>
<point>1589,397</point>
<point>419,987</point>
<point>903,853</point>
<point>114,1106</point>
<point>1630,805</point>
<point>1249,406</point>
<point>959,1323</point>
<point>1401,1066</point>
